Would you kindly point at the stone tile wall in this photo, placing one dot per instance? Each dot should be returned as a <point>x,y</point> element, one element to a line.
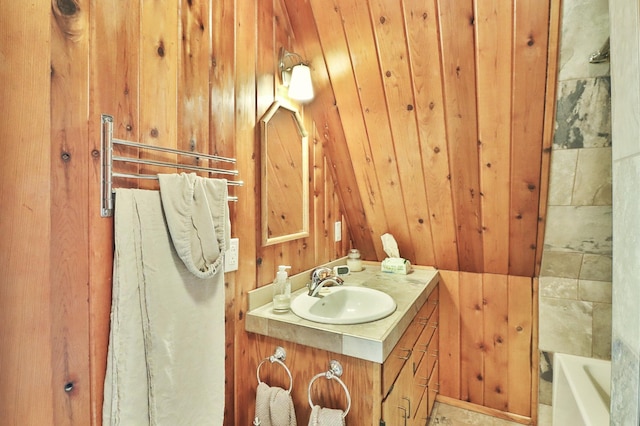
<point>575,277</point>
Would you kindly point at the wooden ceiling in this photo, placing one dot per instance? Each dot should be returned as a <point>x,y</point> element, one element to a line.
<point>436,117</point>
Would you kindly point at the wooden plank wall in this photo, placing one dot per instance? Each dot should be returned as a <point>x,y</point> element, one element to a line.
<point>487,329</point>
<point>408,136</point>
<point>25,210</point>
<point>185,75</point>
<point>442,108</point>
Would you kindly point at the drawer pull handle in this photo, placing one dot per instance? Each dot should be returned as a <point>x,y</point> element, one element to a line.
<point>407,356</point>
<point>434,325</point>
<point>408,402</point>
<point>404,414</point>
<point>423,320</point>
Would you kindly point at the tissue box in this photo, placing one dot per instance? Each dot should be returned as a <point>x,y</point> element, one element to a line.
<point>396,265</point>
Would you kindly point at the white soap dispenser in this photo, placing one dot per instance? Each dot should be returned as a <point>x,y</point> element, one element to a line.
<point>282,290</point>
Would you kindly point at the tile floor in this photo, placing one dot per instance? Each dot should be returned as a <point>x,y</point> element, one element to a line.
<point>446,415</point>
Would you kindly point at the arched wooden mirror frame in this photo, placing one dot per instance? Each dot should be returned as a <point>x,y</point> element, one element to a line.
<point>284,175</point>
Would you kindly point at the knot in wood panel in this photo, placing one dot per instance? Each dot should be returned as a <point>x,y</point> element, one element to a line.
<point>161,49</point>
<point>68,16</point>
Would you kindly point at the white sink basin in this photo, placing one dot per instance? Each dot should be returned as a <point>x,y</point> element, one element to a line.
<point>344,305</point>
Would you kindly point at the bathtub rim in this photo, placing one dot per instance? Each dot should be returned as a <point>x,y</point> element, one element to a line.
<point>593,409</point>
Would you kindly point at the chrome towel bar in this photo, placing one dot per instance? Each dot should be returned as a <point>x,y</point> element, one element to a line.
<point>107,142</point>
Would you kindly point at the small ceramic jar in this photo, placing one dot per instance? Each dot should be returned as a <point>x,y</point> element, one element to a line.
<point>353,260</point>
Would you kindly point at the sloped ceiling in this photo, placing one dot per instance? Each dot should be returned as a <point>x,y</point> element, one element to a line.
<point>436,122</point>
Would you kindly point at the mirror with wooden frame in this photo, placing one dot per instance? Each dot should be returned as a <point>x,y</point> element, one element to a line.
<point>284,175</point>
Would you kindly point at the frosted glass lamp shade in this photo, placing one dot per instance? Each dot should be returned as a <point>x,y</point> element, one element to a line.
<point>300,86</point>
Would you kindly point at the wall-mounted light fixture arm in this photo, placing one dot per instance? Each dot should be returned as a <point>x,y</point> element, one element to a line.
<point>296,75</point>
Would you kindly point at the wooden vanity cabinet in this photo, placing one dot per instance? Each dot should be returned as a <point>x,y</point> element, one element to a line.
<point>399,392</point>
<point>410,373</point>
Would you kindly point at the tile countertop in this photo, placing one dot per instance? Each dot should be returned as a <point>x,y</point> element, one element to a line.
<point>372,341</point>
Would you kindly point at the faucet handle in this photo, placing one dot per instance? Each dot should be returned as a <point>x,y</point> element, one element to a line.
<point>320,273</point>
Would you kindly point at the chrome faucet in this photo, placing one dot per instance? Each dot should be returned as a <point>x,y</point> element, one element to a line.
<point>321,277</point>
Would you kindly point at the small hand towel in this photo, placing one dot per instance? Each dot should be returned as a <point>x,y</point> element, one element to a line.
<point>326,417</point>
<point>274,406</point>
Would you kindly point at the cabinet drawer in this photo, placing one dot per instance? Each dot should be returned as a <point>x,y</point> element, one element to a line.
<point>424,341</point>
<point>433,389</point>
<point>403,350</point>
<point>431,356</point>
<point>398,408</point>
<point>420,384</point>
<point>422,413</point>
<point>432,303</point>
<point>399,356</point>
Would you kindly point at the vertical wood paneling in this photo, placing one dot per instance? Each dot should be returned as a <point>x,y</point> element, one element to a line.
<point>222,75</point>
<point>346,95</point>
<point>494,58</point>
<point>520,353</point>
<point>222,142</point>
<point>472,345</point>
<point>496,332</point>
<point>151,63</point>
<point>449,333</point>
<point>486,347</point>
<point>25,210</point>
<point>69,219</point>
<point>114,65</point>
<point>266,65</point>
<point>457,31</point>
<point>388,23</point>
<point>193,78</point>
<point>549,123</point>
<point>158,81</point>
<point>426,77</point>
<point>361,45</point>
<point>325,114</point>
<point>464,66</point>
<point>535,353</point>
<point>529,78</point>
<point>245,143</point>
<point>319,196</point>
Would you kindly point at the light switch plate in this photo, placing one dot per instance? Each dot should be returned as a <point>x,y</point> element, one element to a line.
<point>231,256</point>
<point>337,231</point>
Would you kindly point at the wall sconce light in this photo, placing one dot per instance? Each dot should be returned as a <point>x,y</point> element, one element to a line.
<point>296,75</point>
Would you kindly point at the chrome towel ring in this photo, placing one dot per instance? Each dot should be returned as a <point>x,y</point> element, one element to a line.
<point>334,373</point>
<point>278,357</point>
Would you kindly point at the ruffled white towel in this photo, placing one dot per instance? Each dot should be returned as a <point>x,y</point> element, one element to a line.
<point>326,417</point>
<point>197,215</point>
<point>274,406</point>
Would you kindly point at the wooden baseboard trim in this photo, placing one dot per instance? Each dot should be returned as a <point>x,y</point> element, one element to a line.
<point>484,410</point>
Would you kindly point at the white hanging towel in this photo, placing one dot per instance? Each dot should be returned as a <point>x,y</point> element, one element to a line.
<point>166,348</point>
<point>274,406</point>
<point>326,417</point>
